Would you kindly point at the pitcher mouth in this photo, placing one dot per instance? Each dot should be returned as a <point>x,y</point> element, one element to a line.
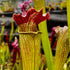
<point>30,32</point>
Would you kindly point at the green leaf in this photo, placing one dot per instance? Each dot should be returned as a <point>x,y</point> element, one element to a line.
<point>45,39</point>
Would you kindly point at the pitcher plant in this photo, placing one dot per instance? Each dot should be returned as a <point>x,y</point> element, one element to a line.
<point>29,37</point>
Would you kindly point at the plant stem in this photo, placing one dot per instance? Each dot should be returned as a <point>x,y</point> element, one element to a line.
<point>45,40</point>
<point>68,17</point>
<point>12,29</point>
<point>1,35</point>
<point>16,30</point>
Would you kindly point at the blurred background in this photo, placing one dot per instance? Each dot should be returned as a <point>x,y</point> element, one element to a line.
<point>56,8</point>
